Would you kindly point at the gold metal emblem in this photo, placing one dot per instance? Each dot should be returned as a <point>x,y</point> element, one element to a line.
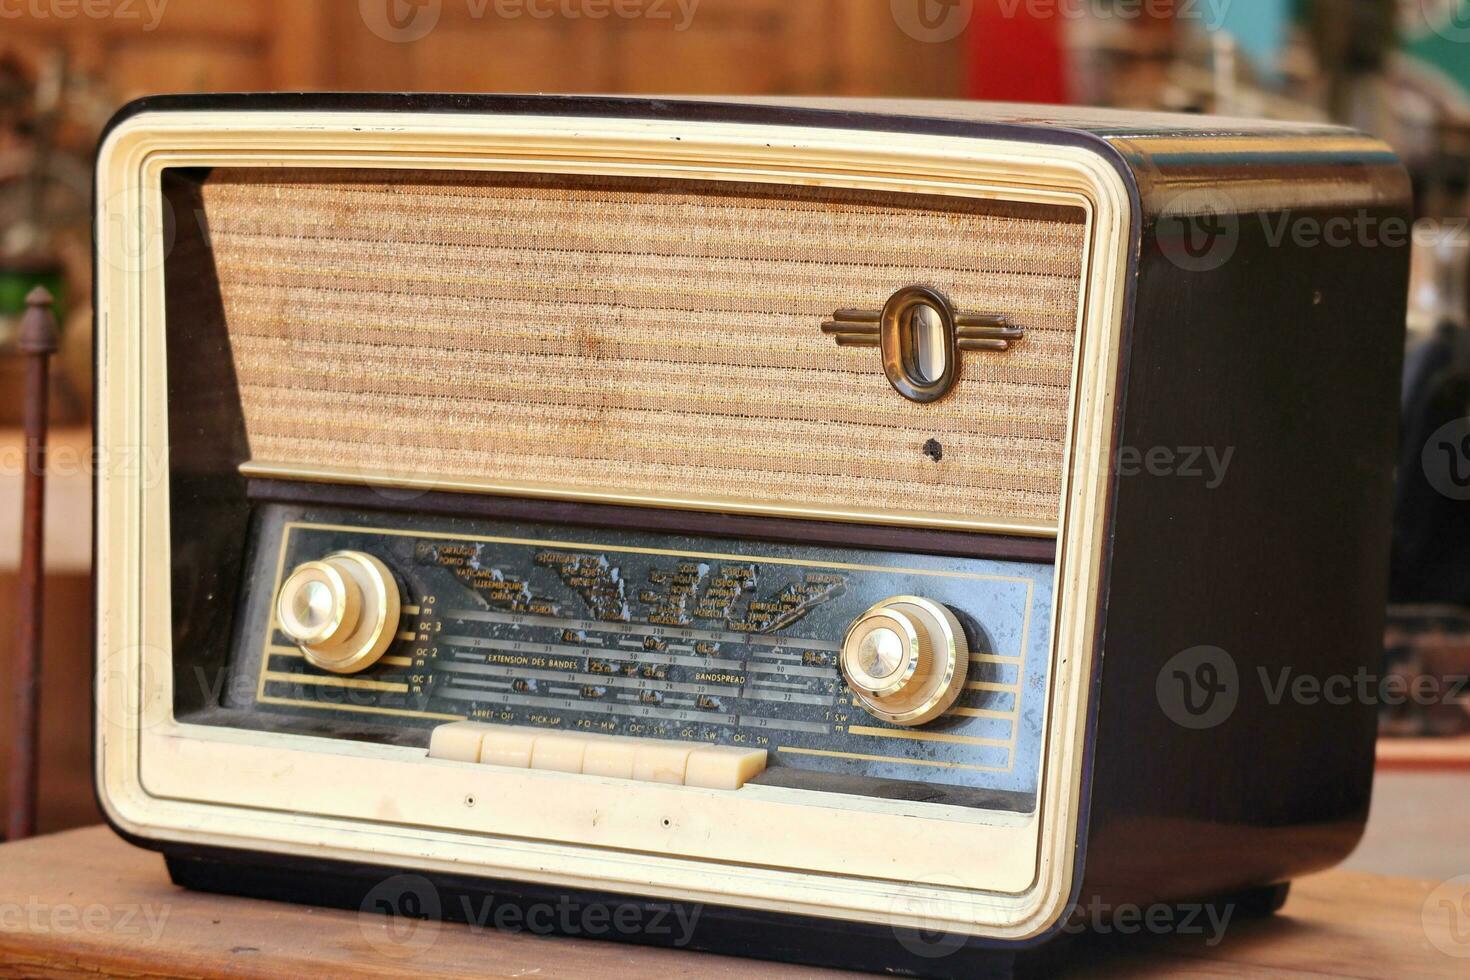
<point>921,338</point>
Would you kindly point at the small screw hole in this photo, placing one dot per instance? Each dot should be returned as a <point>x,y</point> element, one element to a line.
<point>469,801</point>
<point>668,822</point>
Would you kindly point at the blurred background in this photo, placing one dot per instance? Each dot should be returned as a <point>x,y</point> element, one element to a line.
<point>1399,70</point>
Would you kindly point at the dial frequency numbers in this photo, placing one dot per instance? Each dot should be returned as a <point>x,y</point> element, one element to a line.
<point>626,672</point>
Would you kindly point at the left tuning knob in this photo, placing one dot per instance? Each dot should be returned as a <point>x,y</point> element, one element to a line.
<point>341,611</point>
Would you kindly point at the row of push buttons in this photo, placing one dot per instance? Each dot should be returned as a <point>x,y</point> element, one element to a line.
<point>644,759</point>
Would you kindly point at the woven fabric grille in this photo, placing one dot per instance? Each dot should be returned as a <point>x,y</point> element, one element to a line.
<point>653,336</point>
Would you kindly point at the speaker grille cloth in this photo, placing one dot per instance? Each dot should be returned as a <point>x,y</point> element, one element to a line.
<point>647,335</point>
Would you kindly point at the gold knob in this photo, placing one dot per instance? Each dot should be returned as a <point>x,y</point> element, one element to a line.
<point>341,611</point>
<point>905,660</point>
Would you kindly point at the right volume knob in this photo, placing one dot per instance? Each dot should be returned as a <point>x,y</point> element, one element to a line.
<point>906,659</point>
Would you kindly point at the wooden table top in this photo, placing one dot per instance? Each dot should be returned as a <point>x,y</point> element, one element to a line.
<point>84,903</point>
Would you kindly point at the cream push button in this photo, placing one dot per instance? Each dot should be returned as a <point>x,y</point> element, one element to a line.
<point>613,757</point>
<point>723,766</point>
<point>505,746</point>
<point>661,762</point>
<point>643,759</point>
<point>462,741</point>
<point>558,753</point>
<point>342,611</point>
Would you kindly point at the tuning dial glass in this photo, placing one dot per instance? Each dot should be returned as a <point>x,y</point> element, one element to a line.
<point>827,657</point>
<point>905,660</point>
<point>341,611</point>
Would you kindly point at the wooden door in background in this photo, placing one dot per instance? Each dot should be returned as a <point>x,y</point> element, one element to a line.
<point>834,47</point>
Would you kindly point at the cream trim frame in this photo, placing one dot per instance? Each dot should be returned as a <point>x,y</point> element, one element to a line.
<point>973,873</point>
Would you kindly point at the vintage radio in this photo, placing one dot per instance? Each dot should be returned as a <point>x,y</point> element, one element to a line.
<point>875,527</point>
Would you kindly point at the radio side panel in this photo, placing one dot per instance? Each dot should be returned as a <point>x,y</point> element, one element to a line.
<point>1251,517</point>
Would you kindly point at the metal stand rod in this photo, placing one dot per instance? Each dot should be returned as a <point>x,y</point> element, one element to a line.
<point>37,342</point>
